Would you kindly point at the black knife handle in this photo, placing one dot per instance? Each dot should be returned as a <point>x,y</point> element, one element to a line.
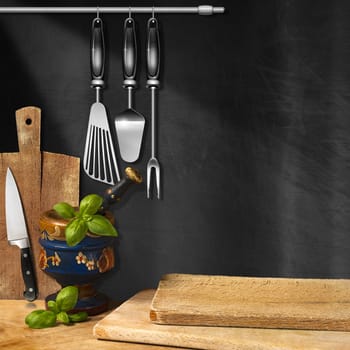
<point>97,53</point>
<point>153,53</point>
<point>129,53</point>
<point>30,292</point>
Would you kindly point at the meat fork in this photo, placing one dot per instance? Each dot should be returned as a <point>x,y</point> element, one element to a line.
<point>153,58</point>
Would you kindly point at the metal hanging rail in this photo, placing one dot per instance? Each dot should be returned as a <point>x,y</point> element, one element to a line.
<point>200,10</point>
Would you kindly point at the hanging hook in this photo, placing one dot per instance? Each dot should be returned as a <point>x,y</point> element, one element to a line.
<point>97,12</point>
<point>153,11</point>
<point>129,11</point>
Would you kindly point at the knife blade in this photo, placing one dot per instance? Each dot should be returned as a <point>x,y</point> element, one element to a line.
<point>17,234</point>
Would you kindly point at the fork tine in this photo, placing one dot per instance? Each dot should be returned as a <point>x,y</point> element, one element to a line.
<point>149,172</point>
<point>153,167</point>
<point>157,172</point>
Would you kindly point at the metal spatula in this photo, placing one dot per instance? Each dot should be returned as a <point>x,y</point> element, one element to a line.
<point>129,124</point>
<point>99,158</point>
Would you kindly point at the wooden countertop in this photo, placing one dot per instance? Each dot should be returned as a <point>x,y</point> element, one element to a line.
<point>15,334</point>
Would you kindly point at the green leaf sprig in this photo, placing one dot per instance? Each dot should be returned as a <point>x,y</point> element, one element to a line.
<point>57,310</point>
<point>85,219</point>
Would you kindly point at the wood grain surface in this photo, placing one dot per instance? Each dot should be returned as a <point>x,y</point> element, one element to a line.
<point>60,180</point>
<point>39,176</point>
<point>26,168</point>
<point>130,322</point>
<point>318,304</point>
<point>59,183</point>
<point>16,335</point>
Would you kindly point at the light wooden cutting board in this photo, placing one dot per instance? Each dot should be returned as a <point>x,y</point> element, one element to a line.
<point>43,179</point>
<point>318,304</point>
<point>130,323</point>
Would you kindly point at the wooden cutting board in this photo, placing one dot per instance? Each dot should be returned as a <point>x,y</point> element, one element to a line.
<point>318,304</point>
<point>42,178</point>
<point>130,323</point>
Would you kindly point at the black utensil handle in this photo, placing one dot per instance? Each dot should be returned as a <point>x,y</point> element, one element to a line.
<point>153,53</point>
<point>30,292</point>
<point>129,53</point>
<point>97,53</point>
<point>114,194</point>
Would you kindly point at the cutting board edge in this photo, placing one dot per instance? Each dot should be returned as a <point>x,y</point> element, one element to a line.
<point>249,321</point>
<point>186,276</point>
<point>171,304</point>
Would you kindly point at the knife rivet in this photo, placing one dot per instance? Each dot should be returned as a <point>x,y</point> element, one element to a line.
<point>27,272</point>
<point>31,289</point>
<point>25,255</point>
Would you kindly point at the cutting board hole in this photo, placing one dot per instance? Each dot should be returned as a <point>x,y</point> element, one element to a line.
<point>28,121</point>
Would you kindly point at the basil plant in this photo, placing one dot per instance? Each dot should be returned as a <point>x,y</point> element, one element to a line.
<point>57,310</point>
<point>85,219</point>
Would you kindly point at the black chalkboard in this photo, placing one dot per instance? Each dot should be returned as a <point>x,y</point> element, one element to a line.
<point>253,133</point>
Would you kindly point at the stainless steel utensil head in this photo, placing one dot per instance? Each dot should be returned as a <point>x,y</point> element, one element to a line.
<point>15,221</point>
<point>99,161</point>
<point>153,167</point>
<point>129,126</point>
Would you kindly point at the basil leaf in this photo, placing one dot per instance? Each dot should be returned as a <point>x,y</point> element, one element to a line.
<point>90,204</point>
<point>75,231</point>
<point>87,217</point>
<point>41,319</point>
<point>65,210</point>
<point>78,317</point>
<point>63,317</point>
<point>66,298</point>
<point>101,226</point>
<point>51,304</point>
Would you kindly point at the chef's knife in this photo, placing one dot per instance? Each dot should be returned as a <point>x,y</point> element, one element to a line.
<point>17,234</point>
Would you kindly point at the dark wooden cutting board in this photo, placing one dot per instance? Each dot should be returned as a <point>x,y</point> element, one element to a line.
<point>43,179</point>
<point>289,303</point>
